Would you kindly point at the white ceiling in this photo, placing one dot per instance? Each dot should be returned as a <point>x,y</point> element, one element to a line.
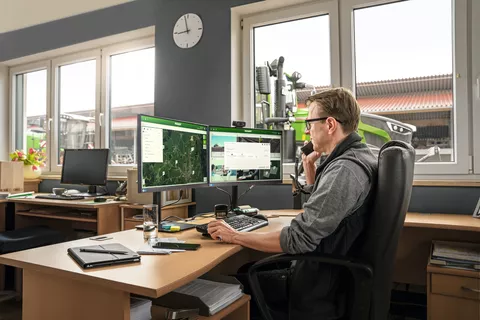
<point>18,14</point>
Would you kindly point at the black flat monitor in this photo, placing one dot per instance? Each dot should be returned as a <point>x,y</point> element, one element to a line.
<point>85,167</point>
<point>241,155</point>
<point>171,154</point>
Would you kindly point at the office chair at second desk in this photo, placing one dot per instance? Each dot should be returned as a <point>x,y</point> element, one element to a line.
<point>23,239</point>
<point>372,267</point>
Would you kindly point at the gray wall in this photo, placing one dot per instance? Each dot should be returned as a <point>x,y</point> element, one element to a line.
<point>80,28</point>
<point>194,84</point>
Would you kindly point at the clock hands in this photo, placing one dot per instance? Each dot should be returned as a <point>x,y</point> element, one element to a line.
<point>186,26</point>
<point>182,32</point>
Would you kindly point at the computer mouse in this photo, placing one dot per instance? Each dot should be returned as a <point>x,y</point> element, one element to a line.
<point>261,217</point>
<point>98,199</point>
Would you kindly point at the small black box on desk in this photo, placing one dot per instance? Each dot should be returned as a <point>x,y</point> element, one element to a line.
<point>209,294</point>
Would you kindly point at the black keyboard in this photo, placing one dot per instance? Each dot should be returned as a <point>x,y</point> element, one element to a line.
<point>239,222</point>
<point>55,197</point>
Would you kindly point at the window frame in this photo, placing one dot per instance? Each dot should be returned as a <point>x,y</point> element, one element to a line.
<point>285,14</point>
<point>55,106</point>
<point>476,84</point>
<point>462,163</point>
<point>101,55</point>
<point>22,69</point>
<point>107,52</point>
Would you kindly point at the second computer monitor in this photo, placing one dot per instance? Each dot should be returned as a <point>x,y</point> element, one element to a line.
<point>244,155</point>
<point>172,154</point>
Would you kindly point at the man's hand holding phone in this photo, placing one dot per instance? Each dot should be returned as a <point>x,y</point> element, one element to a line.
<point>309,157</point>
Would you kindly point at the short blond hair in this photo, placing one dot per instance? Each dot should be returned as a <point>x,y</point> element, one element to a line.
<point>340,104</point>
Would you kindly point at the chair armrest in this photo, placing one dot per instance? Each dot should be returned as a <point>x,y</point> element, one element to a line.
<point>362,274</point>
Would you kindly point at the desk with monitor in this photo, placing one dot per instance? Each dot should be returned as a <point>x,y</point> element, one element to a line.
<point>175,154</point>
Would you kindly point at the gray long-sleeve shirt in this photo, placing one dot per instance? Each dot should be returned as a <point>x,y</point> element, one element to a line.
<point>340,190</point>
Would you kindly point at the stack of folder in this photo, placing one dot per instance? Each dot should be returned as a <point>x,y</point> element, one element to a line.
<point>461,255</point>
<point>209,294</point>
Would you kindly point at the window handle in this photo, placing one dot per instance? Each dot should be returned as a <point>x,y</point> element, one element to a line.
<point>49,124</point>
<point>100,119</point>
<point>478,87</point>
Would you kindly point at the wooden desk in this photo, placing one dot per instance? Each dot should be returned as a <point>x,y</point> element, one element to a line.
<point>416,238</point>
<point>55,287</point>
<point>98,217</point>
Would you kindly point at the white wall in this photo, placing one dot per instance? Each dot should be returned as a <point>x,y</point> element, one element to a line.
<point>17,14</point>
<point>4,114</point>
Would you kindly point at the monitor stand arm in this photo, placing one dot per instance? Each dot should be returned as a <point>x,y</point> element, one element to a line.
<point>234,203</point>
<point>92,189</point>
<point>157,199</point>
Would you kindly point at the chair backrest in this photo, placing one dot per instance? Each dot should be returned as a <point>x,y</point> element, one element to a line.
<point>396,162</point>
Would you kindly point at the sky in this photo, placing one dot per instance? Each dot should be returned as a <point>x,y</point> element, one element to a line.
<point>132,83</point>
<point>400,40</point>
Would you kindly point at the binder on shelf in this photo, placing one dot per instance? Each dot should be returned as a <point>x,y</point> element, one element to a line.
<point>211,302</point>
<point>464,255</point>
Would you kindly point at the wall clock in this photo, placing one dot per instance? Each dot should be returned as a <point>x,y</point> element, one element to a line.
<point>188,31</point>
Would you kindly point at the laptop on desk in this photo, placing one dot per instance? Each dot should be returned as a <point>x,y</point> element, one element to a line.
<point>88,260</point>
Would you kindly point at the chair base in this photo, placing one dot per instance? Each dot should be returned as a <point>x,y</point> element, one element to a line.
<point>9,295</point>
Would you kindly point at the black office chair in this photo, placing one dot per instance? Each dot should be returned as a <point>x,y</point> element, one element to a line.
<point>372,267</point>
<point>23,239</point>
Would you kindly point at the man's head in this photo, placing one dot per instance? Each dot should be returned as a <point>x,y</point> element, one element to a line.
<point>333,114</point>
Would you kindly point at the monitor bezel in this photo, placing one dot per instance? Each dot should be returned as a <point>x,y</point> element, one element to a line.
<point>139,159</point>
<point>246,182</point>
<point>107,152</point>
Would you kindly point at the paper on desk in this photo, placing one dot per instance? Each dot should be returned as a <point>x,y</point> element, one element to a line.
<point>171,240</point>
<point>147,249</point>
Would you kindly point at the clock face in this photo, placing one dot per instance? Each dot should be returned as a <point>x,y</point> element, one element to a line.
<point>188,31</point>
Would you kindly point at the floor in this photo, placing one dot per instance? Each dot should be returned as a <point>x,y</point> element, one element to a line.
<point>11,310</point>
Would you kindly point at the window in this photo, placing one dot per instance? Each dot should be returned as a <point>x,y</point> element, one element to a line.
<point>311,66</point>
<point>306,39</point>
<point>92,102</point>
<point>77,106</point>
<point>29,101</point>
<point>408,75</point>
<point>402,75</point>
<point>406,66</point>
<point>132,77</point>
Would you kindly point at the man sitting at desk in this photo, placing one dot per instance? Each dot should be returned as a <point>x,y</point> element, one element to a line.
<point>336,212</point>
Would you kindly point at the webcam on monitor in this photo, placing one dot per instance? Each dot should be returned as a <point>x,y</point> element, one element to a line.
<point>238,124</point>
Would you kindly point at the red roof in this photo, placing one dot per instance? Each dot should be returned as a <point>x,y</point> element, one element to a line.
<point>407,102</point>
<point>430,93</point>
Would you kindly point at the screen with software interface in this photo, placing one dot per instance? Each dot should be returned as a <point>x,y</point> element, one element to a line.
<point>173,153</point>
<point>244,155</point>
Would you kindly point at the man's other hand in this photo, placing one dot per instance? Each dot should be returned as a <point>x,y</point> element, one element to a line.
<point>220,230</point>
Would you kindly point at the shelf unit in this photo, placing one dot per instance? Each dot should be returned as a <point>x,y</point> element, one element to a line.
<point>239,310</point>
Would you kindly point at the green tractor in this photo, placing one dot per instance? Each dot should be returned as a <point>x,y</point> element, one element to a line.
<point>280,111</point>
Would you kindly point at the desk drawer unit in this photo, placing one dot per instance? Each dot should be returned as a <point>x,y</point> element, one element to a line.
<point>453,297</point>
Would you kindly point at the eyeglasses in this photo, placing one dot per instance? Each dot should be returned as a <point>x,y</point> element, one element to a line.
<point>308,124</point>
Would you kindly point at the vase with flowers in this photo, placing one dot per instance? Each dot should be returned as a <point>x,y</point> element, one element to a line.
<point>33,161</point>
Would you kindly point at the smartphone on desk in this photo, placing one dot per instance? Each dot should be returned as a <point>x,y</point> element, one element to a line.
<point>178,246</point>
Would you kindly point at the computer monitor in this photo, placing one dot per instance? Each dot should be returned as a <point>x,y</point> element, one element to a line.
<point>241,155</point>
<point>85,167</point>
<point>171,154</point>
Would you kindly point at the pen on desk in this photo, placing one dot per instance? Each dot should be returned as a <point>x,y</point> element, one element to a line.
<point>103,251</point>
